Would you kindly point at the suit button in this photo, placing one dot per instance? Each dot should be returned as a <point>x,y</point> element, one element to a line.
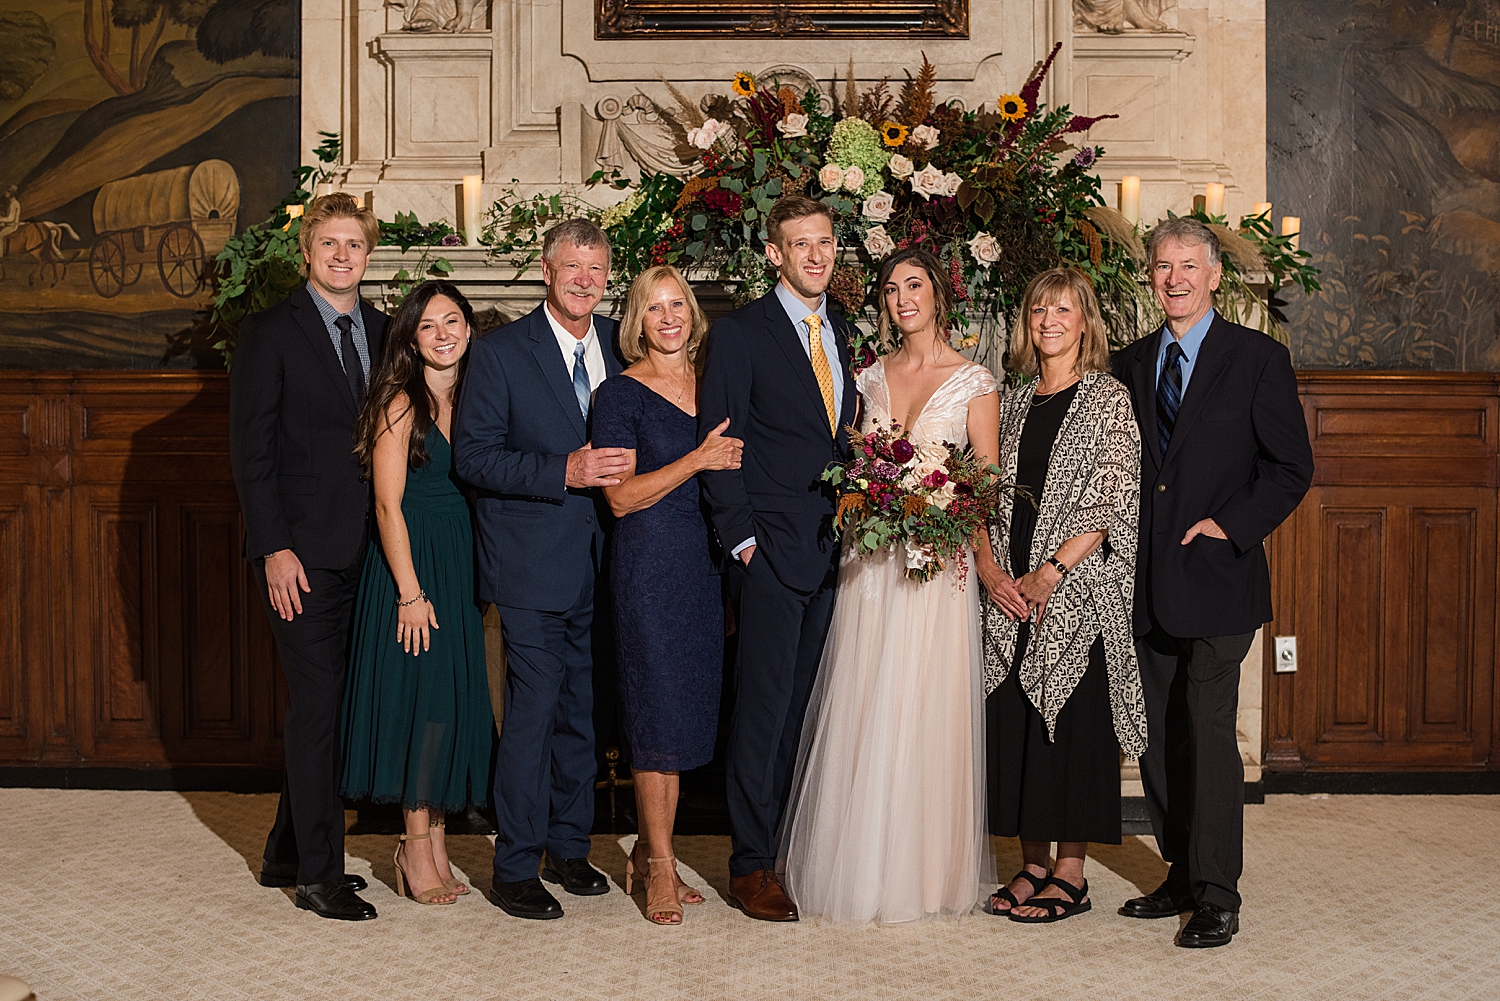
<point>588,519</point>
<point>1161,488</point>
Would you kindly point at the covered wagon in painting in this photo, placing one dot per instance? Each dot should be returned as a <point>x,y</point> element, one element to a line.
<point>176,220</point>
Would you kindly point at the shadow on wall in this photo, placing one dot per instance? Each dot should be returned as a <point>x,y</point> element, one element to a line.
<point>1384,136</point>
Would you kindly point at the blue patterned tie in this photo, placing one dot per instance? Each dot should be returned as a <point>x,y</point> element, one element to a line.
<point>1168,396</point>
<point>581,380</point>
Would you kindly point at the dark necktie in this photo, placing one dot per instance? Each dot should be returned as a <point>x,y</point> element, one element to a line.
<point>353,371</point>
<point>1168,395</point>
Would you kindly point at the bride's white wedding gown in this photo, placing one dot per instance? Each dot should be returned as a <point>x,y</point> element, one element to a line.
<point>885,821</point>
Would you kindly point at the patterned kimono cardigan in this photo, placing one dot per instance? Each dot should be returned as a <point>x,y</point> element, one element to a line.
<point>1093,484</point>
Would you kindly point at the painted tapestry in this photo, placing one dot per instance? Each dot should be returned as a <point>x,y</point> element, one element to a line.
<point>136,136</point>
<point>1384,136</point>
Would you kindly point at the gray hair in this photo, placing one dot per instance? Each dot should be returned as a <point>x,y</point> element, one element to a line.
<point>579,232</point>
<point>1183,229</point>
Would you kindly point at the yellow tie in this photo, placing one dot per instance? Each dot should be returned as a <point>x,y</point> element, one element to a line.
<point>820,368</point>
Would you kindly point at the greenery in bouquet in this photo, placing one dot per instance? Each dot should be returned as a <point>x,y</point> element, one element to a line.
<point>929,499</point>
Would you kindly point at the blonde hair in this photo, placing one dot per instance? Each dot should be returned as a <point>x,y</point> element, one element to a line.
<point>1045,290</point>
<point>339,205</point>
<point>633,324</point>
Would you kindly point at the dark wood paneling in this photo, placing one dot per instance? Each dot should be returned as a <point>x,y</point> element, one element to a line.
<point>139,639</point>
<point>1387,577</point>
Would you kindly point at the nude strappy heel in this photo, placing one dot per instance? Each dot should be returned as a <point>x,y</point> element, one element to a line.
<point>658,910</point>
<point>405,889</point>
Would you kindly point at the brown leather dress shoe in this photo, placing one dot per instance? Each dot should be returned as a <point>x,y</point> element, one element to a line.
<point>761,897</point>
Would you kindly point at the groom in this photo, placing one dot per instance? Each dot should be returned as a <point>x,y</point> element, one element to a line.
<point>778,370</point>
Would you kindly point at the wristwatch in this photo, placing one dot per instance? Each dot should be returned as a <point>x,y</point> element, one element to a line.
<point>1062,567</point>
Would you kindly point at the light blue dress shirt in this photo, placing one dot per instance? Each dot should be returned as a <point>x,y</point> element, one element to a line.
<point>1191,342</point>
<point>330,314</point>
<point>797,312</point>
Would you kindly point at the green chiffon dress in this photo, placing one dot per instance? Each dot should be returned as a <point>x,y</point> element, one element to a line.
<point>418,730</point>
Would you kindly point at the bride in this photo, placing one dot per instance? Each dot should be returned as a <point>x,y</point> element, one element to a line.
<point>885,819</point>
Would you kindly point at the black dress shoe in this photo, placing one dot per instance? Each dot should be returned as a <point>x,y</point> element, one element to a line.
<point>1162,902</point>
<point>525,898</point>
<point>1209,927</point>
<point>333,899</point>
<point>277,874</point>
<point>575,875</point>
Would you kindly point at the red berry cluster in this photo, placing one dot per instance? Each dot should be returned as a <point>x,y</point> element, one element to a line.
<point>956,277</point>
<point>659,252</point>
<point>1045,214</point>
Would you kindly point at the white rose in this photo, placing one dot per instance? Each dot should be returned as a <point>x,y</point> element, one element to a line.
<point>879,206</point>
<point>943,496</point>
<point>878,242</point>
<point>918,556</point>
<point>951,183</point>
<point>792,126</point>
<point>854,178</point>
<point>900,167</point>
<point>933,454</point>
<point>924,136</point>
<point>927,182</point>
<point>985,248</point>
<point>704,136</point>
<point>831,177</point>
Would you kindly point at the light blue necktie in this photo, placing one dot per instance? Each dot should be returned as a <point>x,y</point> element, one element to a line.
<point>581,380</point>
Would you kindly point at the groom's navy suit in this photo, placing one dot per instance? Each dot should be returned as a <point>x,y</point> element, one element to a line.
<point>758,375</point>
<point>540,546</point>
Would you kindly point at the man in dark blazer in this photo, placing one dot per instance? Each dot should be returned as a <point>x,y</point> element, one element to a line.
<point>1224,460</point>
<point>296,387</point>
<point>778,369</point>
<point>521,437</point>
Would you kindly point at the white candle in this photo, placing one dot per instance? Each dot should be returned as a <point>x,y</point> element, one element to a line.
<point>294,211</point>
<point>1292,226</point>
<point>325,188</point>
<point>1262,209</point>
<point>1213,200</point>
<point>1130,199</point>
<point>473,200</point>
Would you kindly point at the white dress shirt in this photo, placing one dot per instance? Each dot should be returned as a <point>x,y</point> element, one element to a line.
<point>593,354</point>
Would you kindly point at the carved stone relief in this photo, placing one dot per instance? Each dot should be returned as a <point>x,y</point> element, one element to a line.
<point>1114,16</point>
<point>441,15</point>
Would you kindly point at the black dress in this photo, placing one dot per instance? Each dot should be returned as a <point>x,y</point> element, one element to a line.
<point>669,613</point>
<point>1067,789</point>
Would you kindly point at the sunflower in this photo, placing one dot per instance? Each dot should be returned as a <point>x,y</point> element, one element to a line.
<point>1012,108</point>
<point>744,84</point>
<point>893,134</point>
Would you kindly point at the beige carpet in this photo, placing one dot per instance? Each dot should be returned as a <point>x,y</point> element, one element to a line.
<point>143,895</point>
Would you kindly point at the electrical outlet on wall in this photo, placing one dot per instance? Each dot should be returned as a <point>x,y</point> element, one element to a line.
<point>1286,654</point>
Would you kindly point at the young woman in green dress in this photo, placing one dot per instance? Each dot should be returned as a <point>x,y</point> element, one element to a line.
<point>417,721</point>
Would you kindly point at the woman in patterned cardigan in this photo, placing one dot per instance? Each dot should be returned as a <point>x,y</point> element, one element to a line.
<point>1063,692</point>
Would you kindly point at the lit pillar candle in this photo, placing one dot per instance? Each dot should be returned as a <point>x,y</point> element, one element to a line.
<point>1130,199</point>
<point>473,191</point>
<point>1292,226</point>
<point>292,212</point>
<point>1213,200</point>
<point>1262,210</point>
<point>326,188</point>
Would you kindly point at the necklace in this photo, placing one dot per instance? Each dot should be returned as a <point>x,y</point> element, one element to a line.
<point>682,387</point>
<point>1050,396</point>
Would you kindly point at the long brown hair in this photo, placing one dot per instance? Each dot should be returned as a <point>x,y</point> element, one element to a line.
<point>937,277</point>
<point>400,372</point>
<point>1045,289</point>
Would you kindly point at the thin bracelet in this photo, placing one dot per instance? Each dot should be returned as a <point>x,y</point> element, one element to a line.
<point>421,596</point>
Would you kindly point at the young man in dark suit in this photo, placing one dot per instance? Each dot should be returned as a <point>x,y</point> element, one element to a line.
<point>521,436</point>
<point>1224,460</point>
<point>778,369</point>
<point>298,382</point>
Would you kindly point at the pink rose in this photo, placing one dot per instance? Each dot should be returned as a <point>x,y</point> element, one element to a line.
<point>831,177</point>
<point>927,182</point>
<point>854,178</point>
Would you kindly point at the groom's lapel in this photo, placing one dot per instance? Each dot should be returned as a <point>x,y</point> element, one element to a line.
<point>785,336</point>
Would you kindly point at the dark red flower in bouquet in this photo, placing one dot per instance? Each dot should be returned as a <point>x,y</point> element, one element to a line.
<point>902,450</point>
<point>964,489</point>
<point>725,201</point>
<point>935,479</point>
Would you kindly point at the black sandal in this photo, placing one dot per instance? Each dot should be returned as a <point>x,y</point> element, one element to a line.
<point>1056,907</point>
<point>1004,894</point>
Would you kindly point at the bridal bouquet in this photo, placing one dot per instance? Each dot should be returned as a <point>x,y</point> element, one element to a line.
<point>928,498</point>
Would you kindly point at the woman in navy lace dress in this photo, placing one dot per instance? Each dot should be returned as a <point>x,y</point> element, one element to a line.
<point>669,613</point>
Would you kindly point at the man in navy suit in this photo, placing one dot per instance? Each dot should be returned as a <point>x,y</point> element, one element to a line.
<point>778,369</point>
<point>1224,460</point>
<point>522,438</point>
